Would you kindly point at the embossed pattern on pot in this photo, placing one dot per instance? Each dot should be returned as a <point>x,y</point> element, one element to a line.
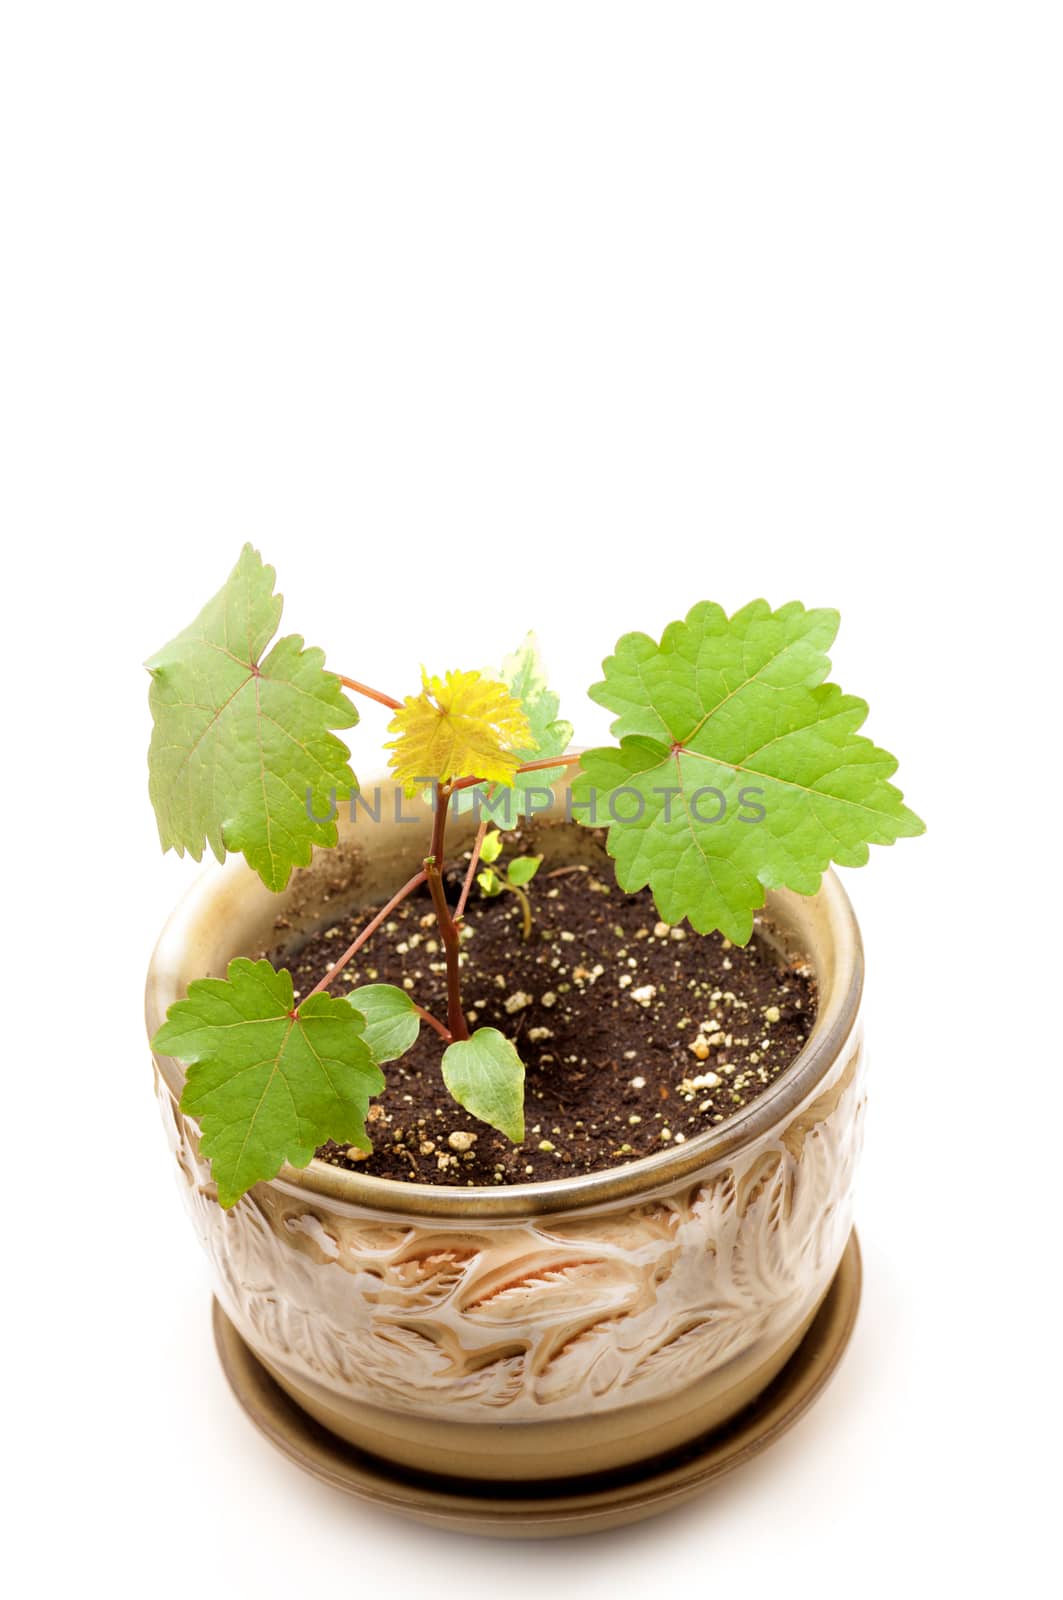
<point>535,1316</point>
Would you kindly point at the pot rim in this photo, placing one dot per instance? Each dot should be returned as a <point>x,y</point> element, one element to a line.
<point>637,1179</point>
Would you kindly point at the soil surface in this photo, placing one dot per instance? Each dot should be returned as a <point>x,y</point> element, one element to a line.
<point>634,1035</point>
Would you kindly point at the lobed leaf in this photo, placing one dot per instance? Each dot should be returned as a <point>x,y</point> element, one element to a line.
<point>268,1084</point>
<point>242,738</point>
<point>460,726</point>
<point>738,769</point>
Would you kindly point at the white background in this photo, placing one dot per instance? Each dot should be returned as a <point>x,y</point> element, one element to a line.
<point>477,317</point>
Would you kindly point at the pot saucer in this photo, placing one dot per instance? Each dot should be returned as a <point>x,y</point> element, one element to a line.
<point>549,1509</point>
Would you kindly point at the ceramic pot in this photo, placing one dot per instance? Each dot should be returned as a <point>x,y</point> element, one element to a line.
<point>548,1330</point>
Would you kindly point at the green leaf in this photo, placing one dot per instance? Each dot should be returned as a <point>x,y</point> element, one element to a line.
<point>523,869</point>
<point>491,848</point>
<point>489,881</point>
<point>742,769</point>
<point>392,1021</point>
<point>524,675</point>
<point>266,1086</point>
<point>486,1076</point>
<point>240,737</point>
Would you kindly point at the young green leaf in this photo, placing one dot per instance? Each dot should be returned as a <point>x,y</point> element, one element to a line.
<point>491,848</point>
<point>459,726</point>
<point>738,768</point>
<point>525,676</point>
<point>392,1021</point>
<point>241,738</point>
<point>486,1076</point>
<point>489,881</point>
<point>522,869</point>
<point>267,1084</point>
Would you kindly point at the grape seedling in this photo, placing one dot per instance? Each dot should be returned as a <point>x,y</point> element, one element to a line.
<point>245,757</point>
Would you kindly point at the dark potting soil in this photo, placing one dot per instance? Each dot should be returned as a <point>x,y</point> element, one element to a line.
<point>635,1035</point>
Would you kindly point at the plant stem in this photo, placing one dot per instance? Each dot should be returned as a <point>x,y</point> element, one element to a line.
<point>433,1022</point>
<point>371,694</point>
<point>448,928</point>
<point>477,846</point>
<point>367,933</point>
<point>548,761</point>
<point>528,766</point>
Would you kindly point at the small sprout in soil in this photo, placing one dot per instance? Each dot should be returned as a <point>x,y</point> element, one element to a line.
<point>517,874</point>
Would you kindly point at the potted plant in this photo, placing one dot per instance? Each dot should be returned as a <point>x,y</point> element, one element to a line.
<point>517,1097</point>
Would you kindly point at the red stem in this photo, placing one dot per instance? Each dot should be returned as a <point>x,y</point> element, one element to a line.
<point>477,846</point>
<point>448,928</point>
<point>432,875</point>
<point>371,694</point>
<point>528,766</point>
<point>433,1022</point>
<point>367,932</point>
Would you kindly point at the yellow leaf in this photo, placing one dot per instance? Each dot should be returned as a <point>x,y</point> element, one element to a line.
<point>460,726</point>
